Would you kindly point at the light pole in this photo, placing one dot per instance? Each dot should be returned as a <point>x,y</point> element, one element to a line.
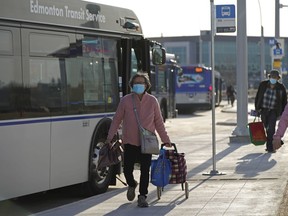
<point>277,30</point>
<point>277,7</point>
<point>277,17</point>
<point>262,45</point>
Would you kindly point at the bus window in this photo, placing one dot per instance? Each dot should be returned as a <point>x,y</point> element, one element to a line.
<point>47,44</point>
<point>10,76</point>
<point>6,43</point>
<point>99,74</point>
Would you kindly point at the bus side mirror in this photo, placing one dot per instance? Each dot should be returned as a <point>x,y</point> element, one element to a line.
<point>158,56</point>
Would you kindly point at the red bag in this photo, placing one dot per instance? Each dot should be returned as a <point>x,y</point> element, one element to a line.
<point>257,133</point>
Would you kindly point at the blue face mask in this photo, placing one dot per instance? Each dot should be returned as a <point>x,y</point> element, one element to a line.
<point>138,88</point>
<point>273,81</point>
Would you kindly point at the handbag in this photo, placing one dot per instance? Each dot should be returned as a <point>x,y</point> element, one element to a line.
<point>257,132</point>
<point>110,156</point>
<point>160,170</point>
<point>148,140</point>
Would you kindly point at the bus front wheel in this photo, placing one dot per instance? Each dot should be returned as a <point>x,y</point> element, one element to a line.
<point>99,179</point>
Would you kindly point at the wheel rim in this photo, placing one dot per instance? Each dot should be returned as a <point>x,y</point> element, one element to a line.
<point>98,174</point>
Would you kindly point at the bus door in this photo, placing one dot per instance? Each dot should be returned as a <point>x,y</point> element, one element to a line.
<point>44,54</point>
<point>135,56</point>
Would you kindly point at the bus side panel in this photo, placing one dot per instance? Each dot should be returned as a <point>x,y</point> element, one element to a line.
<point>70,151</point>
<point>28,171</point>
<point>193,97</point>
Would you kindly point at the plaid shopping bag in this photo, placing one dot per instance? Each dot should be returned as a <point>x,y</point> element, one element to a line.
<point>179,167</point>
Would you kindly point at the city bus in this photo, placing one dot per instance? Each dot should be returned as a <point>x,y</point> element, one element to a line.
<point>194,88</point>
<point>62,63</point>
<point>163,85</point>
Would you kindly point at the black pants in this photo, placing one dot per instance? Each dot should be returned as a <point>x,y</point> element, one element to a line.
<point>132,155</point>
<point>269,119</point>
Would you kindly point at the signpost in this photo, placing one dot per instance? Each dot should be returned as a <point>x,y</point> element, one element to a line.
<point>225,18</point>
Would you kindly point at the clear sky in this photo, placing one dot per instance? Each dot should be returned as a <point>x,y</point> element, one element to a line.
<point>188,17</point>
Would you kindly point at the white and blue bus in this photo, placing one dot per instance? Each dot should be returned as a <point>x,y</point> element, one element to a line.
<point>61,64</point>
<point>194,88</point>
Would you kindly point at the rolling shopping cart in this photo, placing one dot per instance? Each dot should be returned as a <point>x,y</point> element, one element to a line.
<point>179,169</point>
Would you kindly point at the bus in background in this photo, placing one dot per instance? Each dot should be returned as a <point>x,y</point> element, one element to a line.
<point>62,63</point>
<point>194,87</point>
<point>163,85</point>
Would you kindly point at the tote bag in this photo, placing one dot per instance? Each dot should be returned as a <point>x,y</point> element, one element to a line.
<point>257,133</point>
<point>149,142</point>
<point>160,170</point>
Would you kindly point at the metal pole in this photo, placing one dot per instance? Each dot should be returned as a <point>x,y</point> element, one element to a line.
<point>262,54</point>
<point>200,49</point>
<point>277,30</point>
<point>262,46</point>
<point>213,171</point>
<point>213,86</point>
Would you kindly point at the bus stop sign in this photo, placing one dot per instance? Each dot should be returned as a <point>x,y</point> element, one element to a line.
<point>225,18</point>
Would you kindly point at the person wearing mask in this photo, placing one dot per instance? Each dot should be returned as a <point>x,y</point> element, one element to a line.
<point>149,113</point>
<point>270,101</point>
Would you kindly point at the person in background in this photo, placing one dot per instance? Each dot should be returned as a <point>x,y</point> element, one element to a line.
<point>270,101</point>
<point>230,94</point>
<point>150,117</point>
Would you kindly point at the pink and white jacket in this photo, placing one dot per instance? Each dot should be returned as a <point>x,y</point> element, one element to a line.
<point>150,117</point>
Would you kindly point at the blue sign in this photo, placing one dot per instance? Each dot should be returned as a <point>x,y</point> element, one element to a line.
<point>225,18</point>
<point>277,51</point>
<point>272,41</point>
<point>225,11</point>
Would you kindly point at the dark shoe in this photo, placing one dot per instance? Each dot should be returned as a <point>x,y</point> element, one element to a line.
<point>131,192</point>
<point>272,151</point>
<point>142,201</point>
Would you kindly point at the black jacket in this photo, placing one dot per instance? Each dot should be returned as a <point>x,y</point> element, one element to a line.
<point>281,101</point>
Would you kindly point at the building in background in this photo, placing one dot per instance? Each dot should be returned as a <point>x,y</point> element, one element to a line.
<point>193,50</point>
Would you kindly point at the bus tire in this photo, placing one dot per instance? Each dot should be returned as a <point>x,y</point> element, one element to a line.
<point>99,179</point>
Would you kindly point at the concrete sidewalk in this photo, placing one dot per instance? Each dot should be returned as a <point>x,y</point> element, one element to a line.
<point>249,180</point>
